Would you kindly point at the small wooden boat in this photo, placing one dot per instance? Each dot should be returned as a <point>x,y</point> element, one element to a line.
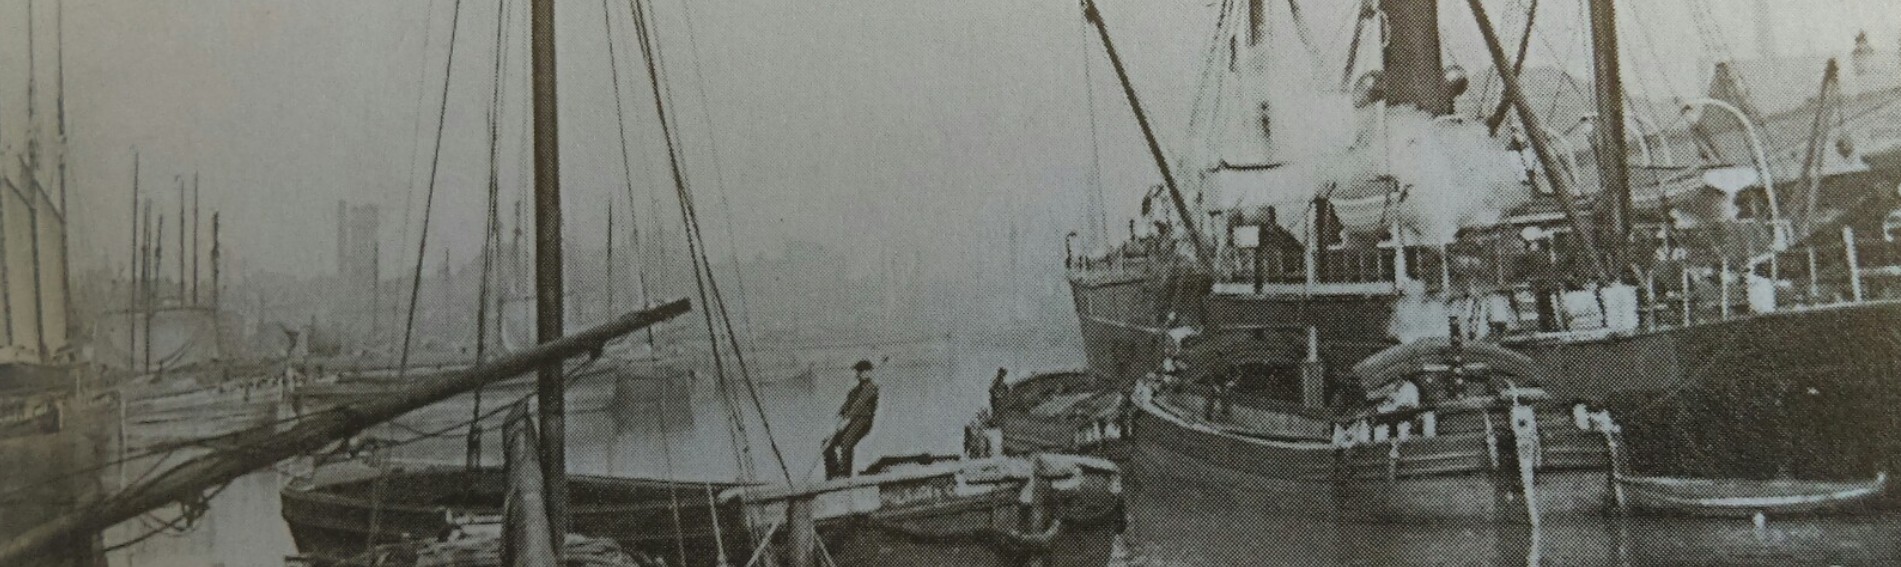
<point>1483,443</point>
<point>1745,498</point>
<point>348,505</point>
<point>987,511</point>
<point>1075,411</point>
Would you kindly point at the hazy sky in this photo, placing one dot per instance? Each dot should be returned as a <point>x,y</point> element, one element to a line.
<point>865,124</point>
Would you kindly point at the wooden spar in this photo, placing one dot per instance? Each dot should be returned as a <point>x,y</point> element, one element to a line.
<point>529,542</point>
<point>148,274</point>
<point>182,278</point>
<point>216,254</point>
<point>1812,164</point>
<point>1148,134</point>
<point>610,255</point>
<point>1504,109</point>
<point>137,275</point>
<point>1613,172</point>
<point>190,479</point>
<point>1535,133</point>
<point>196,217</point>
<point>548,288</point>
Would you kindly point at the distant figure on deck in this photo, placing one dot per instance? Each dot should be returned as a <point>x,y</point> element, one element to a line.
<point>998,389</point>
<point>1221,397</point>
<point>854,422</point>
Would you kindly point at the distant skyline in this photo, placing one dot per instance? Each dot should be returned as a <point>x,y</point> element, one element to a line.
<point>863,125</point>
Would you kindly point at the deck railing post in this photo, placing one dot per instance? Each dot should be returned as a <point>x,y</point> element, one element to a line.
<point>1815,285</point>
<point>1854,263</point>
<point>1313,375</point>
<point>1723,279</point>
<point>1685,272</point>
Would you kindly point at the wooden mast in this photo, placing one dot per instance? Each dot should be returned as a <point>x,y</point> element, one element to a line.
<point>137,276</point>
<point>1613,171</point>
<point>548,263</point>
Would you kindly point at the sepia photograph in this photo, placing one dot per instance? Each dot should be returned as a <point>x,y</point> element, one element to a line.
<point>883,283</point>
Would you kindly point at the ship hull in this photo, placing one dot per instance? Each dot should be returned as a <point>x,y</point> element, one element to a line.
<point>347,507</point>
<point>1170,453</point>
<point>1121,320</point>
<point>1797,393</point>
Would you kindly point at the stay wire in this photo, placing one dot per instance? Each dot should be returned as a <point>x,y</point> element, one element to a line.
<point>736,424</point>
<point>429,196</point>
<point>696,242</point>
<point>719,176</point>
<point>491,235</point>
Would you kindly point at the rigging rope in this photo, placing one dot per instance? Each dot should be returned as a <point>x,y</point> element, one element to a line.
<point>491,231</point>
<point>719,177</point>
<point>409,183</point>
<point>1098,215</point>
<point>655,69</point>
<point>429,196</point>
<point>708,285</point>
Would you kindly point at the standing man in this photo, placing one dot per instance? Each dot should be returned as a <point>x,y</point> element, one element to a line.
<point>998,389</point>
<point>854,422</point>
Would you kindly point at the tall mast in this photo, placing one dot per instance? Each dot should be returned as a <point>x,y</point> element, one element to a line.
<point>1612,169</point>
<point>1148,134</point>
<point>182,278</point>
<point>151,299</point>
<point>548,264</point>
<point>59,109</point>
<point>195,218</point>
<point>148,272</point>
<point>216,253</point>
<point>59,103</point>
<point>33,183</point>
<point>138,273</point>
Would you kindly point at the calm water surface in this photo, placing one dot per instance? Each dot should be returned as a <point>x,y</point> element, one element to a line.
<point>680,429</point>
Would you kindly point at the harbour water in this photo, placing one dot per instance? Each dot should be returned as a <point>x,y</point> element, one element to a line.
<point>930,390</point>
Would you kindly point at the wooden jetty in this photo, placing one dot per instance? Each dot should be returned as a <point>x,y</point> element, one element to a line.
<point>1064,509</point>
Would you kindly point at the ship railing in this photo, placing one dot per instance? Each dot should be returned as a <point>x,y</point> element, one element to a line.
<point>1823,272</point>
<point>1342,270</point>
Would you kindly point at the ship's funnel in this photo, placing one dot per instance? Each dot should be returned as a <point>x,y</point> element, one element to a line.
<point>1414,74</point>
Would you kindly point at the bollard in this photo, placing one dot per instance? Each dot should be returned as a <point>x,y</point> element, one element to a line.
<point>802,532</point>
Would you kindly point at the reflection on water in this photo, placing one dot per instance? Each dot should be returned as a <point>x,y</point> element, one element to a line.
<point>681,429</point>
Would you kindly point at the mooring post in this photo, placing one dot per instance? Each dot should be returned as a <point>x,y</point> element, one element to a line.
<point>1313,375</point>
<point>802,532</point>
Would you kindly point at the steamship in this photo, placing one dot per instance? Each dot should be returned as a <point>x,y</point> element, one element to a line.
<point>1718,284</point>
